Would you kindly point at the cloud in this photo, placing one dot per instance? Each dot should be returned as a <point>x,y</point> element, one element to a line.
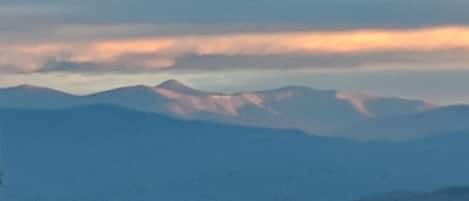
<point>374,61</point>
<point>427,39</point>
<point>303,49</point>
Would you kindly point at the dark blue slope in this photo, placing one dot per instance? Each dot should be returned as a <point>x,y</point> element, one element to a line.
<point>457,193</point>
<point>102,152</point>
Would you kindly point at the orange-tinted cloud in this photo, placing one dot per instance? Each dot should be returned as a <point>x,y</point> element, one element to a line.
<point>164,52</point>
<point>354,41</point>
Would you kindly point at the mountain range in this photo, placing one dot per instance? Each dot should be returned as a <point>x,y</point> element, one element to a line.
<point>173,142</point>
<point>104,152</point>
<point>321,112</point>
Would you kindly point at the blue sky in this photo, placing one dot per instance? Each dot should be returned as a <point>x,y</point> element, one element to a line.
<point>410,48</point>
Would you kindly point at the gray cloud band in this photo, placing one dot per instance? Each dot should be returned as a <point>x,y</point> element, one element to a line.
<point>376,61</point>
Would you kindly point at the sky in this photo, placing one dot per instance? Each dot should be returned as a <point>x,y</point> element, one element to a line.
<point>406,48</point>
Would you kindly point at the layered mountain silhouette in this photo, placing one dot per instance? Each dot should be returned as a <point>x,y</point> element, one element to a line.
<point>450,119</point>
<point>324,112</point>
<point>102,152</point>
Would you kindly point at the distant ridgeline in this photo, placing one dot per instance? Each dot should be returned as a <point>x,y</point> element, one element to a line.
<point>322,112</point>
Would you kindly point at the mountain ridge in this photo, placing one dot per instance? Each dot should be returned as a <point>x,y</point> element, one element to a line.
<point>429,123</point>
<point>292,107</point>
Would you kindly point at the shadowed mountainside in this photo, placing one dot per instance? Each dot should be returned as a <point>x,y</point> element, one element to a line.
<point>446,194</point>
<point>451,119</point>
<point>107,153</point>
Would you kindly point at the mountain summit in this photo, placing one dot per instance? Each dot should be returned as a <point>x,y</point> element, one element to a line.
<point>173,84</point>
<point>177,86</point>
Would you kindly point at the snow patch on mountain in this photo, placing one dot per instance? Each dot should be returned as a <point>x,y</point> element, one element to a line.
<point>358,100</point>
<point>186,104</point>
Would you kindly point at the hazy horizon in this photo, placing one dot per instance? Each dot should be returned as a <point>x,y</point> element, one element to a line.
<point>373,83</point>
